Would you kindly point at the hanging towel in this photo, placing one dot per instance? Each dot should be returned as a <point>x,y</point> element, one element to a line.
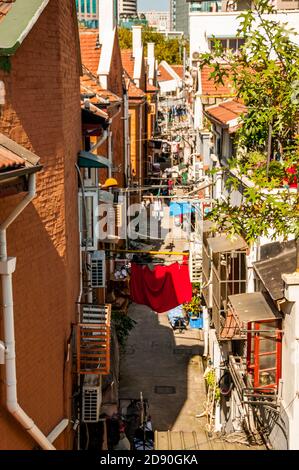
<point>161,289</point>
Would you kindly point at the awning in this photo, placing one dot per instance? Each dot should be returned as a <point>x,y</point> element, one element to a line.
<point>252,307</point>
<point>245,308</point>
<point>225,243</point>
<point>90,160</point>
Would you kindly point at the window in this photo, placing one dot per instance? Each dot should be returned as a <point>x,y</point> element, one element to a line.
<point>232,44</point>
<point>264,353</point>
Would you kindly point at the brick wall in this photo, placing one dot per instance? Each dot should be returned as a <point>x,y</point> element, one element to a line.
<point>43,114</point>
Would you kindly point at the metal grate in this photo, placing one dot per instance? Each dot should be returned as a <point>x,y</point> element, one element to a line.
<point>165,390</point>
<point>98,271</point>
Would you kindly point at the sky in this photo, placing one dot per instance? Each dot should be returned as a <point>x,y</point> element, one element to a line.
<point>144,5</point>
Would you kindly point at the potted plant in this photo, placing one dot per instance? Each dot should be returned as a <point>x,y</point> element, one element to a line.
<point>194,312</point>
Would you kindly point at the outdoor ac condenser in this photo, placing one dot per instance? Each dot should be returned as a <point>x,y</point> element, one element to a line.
<point>91,398</point>
<point>98,269</point>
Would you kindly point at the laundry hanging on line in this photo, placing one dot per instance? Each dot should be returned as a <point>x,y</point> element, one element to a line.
<point>161,289</point>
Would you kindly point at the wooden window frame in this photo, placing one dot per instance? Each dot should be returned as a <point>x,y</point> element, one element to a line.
<point>253,366</point>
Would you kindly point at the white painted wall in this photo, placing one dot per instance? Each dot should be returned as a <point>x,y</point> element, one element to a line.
<point>204,25</point>
<point>290,367</point>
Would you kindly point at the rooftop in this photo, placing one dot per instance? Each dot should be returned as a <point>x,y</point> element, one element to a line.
<point>210,88</point>
<point>228,113</point>
<point>163,75</point>
<point>279,258</point>
<point>5,6</point>
<point>17,18</point>
<point>128,61</point>
<point>15,157</point>
<point>90,49</point>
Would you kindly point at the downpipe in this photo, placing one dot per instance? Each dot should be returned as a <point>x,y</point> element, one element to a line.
<point>7,268</point>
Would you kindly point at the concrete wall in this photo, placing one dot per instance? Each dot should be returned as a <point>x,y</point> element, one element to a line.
<point>225,24</point>
<point>286,433</point>
<point>42,113</point>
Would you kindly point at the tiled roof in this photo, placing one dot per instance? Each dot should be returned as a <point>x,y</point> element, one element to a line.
<point>163,75</point>
<point>179,70</point>
<point>89,84</point>
<point>209,87</point>
<point>9,160</point>
<point>151,88</point>
<point>13,156</point>
<point>133,90</point>
<point>90,49</point>
<point>227,113</point>
<point>128,61</point>
<point>5,6</point>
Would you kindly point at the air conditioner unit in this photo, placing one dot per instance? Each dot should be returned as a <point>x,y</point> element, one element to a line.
<point>88,206</point>
<point>91,399</point>
<point>98,269</point>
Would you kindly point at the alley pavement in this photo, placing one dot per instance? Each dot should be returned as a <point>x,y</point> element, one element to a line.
<point>166,366</point>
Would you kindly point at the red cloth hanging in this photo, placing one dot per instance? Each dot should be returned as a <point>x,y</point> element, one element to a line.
<point>161,289</point>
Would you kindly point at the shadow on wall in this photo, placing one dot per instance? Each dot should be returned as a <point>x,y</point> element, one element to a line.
<point>44,308</point>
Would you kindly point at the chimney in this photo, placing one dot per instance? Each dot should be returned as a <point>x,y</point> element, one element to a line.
<point>150,51</point>
<point>137,40</point>
<point>107,19</point>
<point>151,62</point>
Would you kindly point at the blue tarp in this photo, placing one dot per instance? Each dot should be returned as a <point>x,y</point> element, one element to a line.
<point>180,208</point>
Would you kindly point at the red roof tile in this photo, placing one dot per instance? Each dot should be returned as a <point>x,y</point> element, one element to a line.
<point>89,84</point>
<point>90,50</point>
<point>163,75</point>
<point>179,70</point>
<point>209,87</point>
<point>226,112</point>
<point>128,61</point>
<point>151,88</point>
<point>9,160</point>
<point>5,6</point>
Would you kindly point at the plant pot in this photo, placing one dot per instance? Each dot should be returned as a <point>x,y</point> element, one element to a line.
<point>195,321</point>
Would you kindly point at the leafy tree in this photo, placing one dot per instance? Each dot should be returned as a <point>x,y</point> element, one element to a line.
<point>169,49</point>
<point>265,75</point>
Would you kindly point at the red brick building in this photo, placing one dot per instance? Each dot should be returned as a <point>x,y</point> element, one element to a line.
<point>39,52</point>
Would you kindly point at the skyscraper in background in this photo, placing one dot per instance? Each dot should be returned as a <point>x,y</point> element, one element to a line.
<point>179,16</point>
<point>127,7</point>
<point>88,11</point>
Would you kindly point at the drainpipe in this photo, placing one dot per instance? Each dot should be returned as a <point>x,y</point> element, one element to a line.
<point>140,144</point>
<point>7,267</point>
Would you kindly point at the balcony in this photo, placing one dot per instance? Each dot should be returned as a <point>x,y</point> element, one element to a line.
<point>93,340</point>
